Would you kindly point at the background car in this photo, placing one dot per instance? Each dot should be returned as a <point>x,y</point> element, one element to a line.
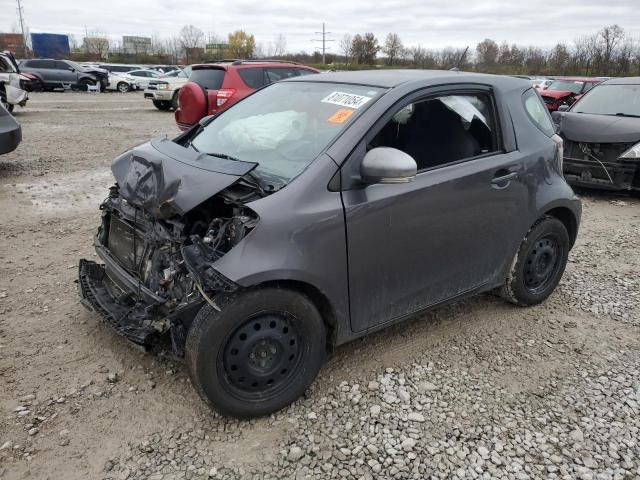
<point>601,135</point>
<point>122,82</point>
<point>64,74</point>
<point>119,68</point>
<point>13,85</point>
<point>164,90</point>
<point>212,87</point>
<point>566,90</point>
<point>144,76</point>
<point>542,83</point>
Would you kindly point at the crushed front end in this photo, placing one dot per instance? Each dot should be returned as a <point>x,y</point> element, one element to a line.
<point>159,240</point>
<point>602,165</point>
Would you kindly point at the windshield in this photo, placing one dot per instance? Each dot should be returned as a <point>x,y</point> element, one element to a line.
<point>566,86</point>
<point>611,100</point>
<point>285,126</point>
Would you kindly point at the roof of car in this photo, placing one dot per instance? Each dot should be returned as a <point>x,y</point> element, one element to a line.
<point>624,81</point>
<point>393,78</point>
<point>580,79</point>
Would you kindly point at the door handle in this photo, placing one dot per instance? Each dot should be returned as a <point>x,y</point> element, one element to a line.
<point>504,178</point>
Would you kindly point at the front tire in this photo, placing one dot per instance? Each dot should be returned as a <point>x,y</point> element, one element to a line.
<point>85,84</point>
<point>539,263</point>
<point>258,354</point>
<point>162,104</point>
<point>123,87</point>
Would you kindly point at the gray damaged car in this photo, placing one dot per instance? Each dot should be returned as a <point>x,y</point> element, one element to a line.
<point>320,209</point>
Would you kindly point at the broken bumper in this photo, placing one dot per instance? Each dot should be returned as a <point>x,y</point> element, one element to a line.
<point>97,294</point>
<point>620,175</point>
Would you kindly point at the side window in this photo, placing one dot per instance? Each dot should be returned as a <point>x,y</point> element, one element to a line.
<point>276,74</point>
<point>440,130</point>
<point>61,66</point>
<point>588,86</point>
<point>50,64</point>
<point>537,112</point>
<point>253,77</point>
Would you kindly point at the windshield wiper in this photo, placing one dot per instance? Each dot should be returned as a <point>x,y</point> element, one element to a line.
<point>620,114</point>
<point>251,178</point>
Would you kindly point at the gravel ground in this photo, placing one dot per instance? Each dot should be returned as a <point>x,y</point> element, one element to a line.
<point>477,389</point>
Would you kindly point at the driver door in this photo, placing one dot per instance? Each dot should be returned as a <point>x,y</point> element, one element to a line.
<point>417,244</point>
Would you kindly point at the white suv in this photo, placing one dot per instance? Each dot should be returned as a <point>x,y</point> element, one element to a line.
<point>11,92</point>
<point>164,91</point>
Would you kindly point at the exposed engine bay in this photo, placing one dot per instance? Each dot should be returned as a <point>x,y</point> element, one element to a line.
<point>158,260</point>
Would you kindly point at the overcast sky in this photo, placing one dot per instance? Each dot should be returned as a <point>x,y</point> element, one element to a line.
<point>431,23</point>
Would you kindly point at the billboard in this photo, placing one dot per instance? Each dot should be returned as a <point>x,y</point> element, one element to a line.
<point>50,45</point>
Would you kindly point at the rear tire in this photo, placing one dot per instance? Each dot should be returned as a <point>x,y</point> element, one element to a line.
<point>258,354</point>
<point>162,104</point>
<point>539,263</point>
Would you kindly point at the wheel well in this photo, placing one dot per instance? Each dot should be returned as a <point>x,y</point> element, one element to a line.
<point>566,216</point>
<point>319,300</point>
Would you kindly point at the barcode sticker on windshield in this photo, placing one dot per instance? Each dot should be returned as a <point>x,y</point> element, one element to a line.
<point>346,99</point>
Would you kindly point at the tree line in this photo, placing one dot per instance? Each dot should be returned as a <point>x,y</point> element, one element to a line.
<point>609,52</point>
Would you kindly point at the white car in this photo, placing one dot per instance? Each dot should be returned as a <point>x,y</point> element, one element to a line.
<point>542,83</point>
<point>144,76</point>
<point>122,82</point>
<point>164,91</point>
<point>11,92</point>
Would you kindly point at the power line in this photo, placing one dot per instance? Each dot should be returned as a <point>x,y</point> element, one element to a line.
<point>324,41</point>
<point>24,37</point>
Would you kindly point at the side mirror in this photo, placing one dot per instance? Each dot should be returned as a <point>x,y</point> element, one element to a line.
<point>387,165</point>
<point>563,108</point>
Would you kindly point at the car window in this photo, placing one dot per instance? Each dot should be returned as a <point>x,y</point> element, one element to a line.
<point>49,64</point>
<point>209,78</point>
<point>285,126</point>
<point>62,66</point>
<point>253,77</point>
<point>276,74</point>
<point>537,112</point>
<point>304,71</point>
<point>611,99</point>
<point>441,130</point>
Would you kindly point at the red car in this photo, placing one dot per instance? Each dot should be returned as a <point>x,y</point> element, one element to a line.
<point>212,87</point>
<point>566,90</point>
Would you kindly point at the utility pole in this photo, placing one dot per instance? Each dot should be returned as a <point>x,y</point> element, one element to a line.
<point>24,37</point>
<point>324,41</point>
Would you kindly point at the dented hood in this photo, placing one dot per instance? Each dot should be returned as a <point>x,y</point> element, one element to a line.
<point>167,179</point>
<point>590,128</point>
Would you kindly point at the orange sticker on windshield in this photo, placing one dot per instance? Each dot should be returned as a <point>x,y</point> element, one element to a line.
<point>340,116</point>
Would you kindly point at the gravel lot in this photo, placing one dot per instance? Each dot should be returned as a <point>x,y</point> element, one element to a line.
<point>478,389</point>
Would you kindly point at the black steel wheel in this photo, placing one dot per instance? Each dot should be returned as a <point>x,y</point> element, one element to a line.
<point>261,355</point>
<point>258,353</point>
<point>539,263</point>
<point>542,264</point>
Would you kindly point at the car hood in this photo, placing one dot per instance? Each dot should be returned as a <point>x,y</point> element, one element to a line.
<point>556,93</point>
<point>167,179</point>
<point>590,128</point>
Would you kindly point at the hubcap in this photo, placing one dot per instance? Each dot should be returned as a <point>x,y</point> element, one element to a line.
<point>541,264</point>
<point>262,354</point>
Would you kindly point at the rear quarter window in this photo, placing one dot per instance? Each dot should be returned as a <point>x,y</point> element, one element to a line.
<point>253,77</point>
<point>537,112</point>
<point>209,78</point>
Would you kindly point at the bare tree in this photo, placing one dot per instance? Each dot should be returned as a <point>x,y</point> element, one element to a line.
<point>280,45</point>
<point>346,47</point>
<point>487,53</point>
<point>190,38</point>
<point>392,47</point>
